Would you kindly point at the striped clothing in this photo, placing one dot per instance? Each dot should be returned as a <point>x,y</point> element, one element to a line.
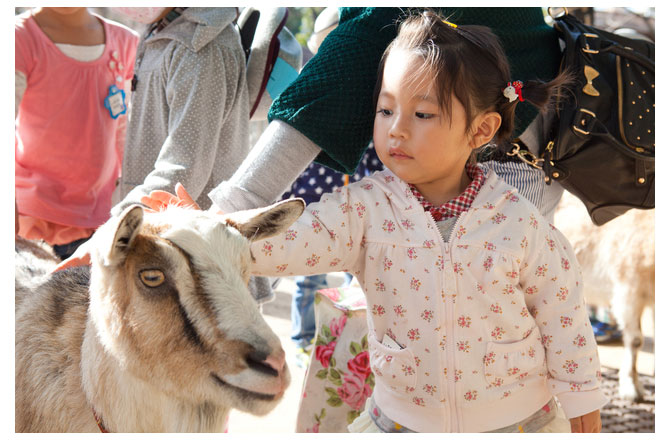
<point>530,183</point>
<point>528,180</point>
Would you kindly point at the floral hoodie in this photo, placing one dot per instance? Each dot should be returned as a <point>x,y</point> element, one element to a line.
<point>467,335</point>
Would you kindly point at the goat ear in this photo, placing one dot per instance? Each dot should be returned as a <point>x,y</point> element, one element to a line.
<point>256,224</point>
<point>124,227</point>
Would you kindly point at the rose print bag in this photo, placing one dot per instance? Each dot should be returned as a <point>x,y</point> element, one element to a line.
<point>338,379</point>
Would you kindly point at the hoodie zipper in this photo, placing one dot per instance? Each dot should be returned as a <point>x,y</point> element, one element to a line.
<point>449,321</point>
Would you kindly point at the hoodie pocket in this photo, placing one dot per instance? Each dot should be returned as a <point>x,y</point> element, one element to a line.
<point>395,368</point>
<point>505,363</point>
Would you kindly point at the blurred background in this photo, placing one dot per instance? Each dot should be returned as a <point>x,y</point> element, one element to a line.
<point>301,20</point>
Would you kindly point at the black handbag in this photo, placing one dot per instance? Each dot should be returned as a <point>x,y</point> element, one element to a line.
<point>602,144</point>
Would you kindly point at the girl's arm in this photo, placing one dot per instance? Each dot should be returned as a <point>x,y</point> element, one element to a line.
<point>326,238</point>
<point>552,280</point>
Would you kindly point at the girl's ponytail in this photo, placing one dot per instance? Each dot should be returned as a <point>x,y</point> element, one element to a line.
<point>538,93</point>
<point>469,63</point>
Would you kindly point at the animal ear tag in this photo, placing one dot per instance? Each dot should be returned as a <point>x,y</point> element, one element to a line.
<point>115,102</point>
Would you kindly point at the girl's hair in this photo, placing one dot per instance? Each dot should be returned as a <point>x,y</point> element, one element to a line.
<point>469,63</point>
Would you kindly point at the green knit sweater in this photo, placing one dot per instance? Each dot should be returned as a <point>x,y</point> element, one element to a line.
<point>331,101</point>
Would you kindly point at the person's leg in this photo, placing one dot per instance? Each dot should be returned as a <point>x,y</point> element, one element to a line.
<point>605,329</point>
<point>302,308</point>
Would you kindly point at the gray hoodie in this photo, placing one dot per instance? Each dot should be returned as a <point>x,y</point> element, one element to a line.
<point>190,109</point>
<point>190,112</point>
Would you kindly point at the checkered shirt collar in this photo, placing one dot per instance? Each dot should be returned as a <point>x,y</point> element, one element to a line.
<point>459,204</point>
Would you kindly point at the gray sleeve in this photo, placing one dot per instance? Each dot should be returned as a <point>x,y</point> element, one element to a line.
<point>200,92</point>
<point>277,159</point>
<point>20,85</point>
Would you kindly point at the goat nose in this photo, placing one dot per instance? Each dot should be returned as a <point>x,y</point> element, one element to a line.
<point>270,364</point>
<point>277,360</point>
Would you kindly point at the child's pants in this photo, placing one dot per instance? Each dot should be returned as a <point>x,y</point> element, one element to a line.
<point>364,423</point>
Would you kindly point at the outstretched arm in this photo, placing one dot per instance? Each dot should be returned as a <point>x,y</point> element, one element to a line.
<point>326,238</point>
<point>277,159</point>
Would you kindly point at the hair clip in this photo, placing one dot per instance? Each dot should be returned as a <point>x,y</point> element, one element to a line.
<point>513,91</point>
<point>448,23</point>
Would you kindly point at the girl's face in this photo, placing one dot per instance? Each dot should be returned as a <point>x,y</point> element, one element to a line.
<point>413,136</point>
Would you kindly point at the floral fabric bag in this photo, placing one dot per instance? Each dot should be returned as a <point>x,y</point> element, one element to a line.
<point>338,379</point>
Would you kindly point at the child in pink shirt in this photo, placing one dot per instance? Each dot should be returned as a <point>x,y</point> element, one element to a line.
<point>71,71</point>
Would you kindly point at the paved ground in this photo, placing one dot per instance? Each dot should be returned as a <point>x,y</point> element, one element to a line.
<point>618,416</point>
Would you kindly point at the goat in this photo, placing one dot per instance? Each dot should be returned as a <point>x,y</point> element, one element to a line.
<point>618,265</point>
<point>34,260</point>
<point>160,334</point>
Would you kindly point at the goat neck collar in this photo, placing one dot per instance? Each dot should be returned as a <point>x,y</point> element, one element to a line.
<point>99,421</point>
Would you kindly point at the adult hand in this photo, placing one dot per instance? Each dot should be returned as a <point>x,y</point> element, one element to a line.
<point>587,423</point>
<point>81,257</point>
<point>160,200</point>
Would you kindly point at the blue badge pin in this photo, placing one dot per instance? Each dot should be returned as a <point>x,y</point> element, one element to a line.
<point>115,102</point>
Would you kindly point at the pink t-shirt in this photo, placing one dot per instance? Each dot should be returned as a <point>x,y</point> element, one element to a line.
<point>67,152</point>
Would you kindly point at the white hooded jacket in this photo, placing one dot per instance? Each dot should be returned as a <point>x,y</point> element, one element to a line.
<point>489,324</point>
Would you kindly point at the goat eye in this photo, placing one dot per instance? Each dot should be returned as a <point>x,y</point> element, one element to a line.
<point>152,277</point>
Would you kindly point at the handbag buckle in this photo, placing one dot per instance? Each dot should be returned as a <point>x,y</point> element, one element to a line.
<point>587,48</point>
<point>523,154</point>
<point>584,122</point>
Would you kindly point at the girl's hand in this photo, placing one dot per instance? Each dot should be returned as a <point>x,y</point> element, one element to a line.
<point>159,200</point>
<point>587,423</point>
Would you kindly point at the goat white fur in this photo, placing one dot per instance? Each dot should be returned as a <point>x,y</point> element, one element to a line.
<point>619,266</point>
<point>160,335</point>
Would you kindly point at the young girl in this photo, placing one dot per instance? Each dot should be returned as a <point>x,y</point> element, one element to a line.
<point>475,311</point>
<point>73,71</point>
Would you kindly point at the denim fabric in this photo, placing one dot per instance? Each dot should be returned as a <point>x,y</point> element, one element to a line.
<point>302,307</point>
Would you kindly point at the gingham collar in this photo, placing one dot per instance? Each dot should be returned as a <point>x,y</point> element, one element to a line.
<point>459,204</point>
